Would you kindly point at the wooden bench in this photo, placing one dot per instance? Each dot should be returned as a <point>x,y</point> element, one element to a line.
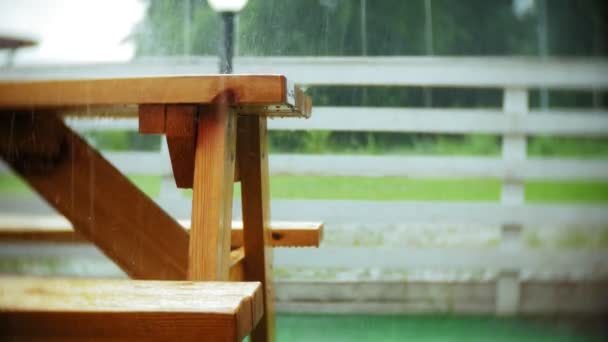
<point>18,228</point>
<point>56,229</point>
<point>49,309</point>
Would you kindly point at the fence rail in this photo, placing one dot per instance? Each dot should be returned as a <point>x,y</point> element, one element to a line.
<point>387,213</point>
<point>583,263</point>
<point>151,163</point>
<point>453,121</point>
<point>415,120</point>
<point>475,72</point>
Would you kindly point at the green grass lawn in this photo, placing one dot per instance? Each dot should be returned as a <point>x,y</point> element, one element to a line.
<point>15,186</point>
<point>388,189</point>
<point>425,328</point>
<point>403,189</point>
<point>384,188</point>
<point>398,188</point>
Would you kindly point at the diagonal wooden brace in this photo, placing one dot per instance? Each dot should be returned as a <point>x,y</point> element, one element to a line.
<point>99,201</point>
<point>180,126</point>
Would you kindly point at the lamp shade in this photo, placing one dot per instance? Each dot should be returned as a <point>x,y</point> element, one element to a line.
<point>227,5</point>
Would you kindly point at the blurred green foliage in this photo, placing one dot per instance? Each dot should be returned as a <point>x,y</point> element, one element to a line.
<point>392,27</point>
<point>122,140</point>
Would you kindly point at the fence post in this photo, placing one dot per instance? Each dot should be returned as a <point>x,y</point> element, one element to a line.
<point>515,103</point>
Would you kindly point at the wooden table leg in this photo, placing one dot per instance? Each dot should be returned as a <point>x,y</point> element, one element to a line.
<point>252,154</point>
<point>212,194</point>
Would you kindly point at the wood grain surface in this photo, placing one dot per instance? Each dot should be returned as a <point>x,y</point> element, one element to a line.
<point>212,194</point>
<point>81,309</point>
<point>199,89</point>
<point>180,130</point>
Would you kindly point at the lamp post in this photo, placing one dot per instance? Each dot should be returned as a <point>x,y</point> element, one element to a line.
<point>227,10</point>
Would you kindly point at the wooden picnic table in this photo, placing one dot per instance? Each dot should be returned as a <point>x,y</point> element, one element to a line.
<point>215,127</point>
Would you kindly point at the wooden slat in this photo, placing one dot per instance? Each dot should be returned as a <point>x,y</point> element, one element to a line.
<point>99,201</point>
<point>79,309</point>
<point>57,229</point>
<point>574,122</point>
<point>180,129</point>
<point>248,89</point>
<point>541,263</point>
<point>212,194</point>
<point>252,153</point>
<point>440,296</point>
<point>121,112</point>
<point>442,167</point>
<point>151,119</point>
<point>564,262</point>
<point>478,72</point>
<point>489,72</point>
<point>387,213</point>
<point>285,234</point>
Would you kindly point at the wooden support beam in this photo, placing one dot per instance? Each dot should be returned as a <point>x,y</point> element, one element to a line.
<point>100,202</point>
<point>46,309</point>
<point>285,234</point>
<point>178,122</point>
<point>180,128</point>
<point>212,194</point>
<point>252,152</point>
<point>151,118</point>
<point>57,229</point>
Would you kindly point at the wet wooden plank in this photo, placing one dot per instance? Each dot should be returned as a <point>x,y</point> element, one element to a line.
<point>81,309</point>
<point>247,89</point>
<point>15,228</point>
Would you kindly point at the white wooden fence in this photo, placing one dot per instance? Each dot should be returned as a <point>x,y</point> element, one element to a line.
<point>510,291</point>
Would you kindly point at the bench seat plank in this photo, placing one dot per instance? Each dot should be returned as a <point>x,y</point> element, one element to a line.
<point>84,309</point>
<point>58,229</point>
